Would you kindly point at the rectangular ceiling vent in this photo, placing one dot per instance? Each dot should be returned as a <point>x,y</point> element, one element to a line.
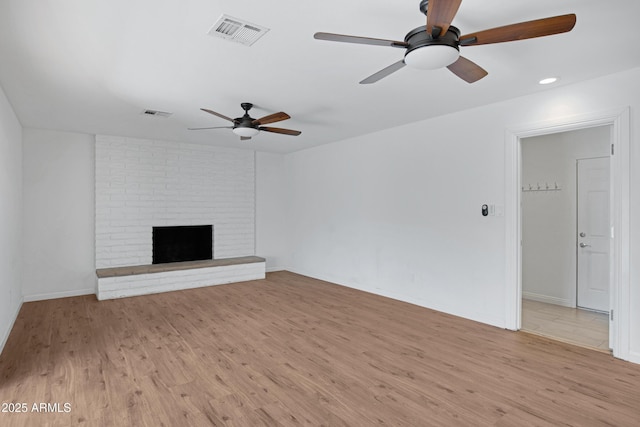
<point>237,30</point>
<point>156,113</point>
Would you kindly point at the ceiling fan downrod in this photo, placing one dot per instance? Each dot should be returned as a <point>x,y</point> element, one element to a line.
<point>423,6</point>
<point>246,106</point>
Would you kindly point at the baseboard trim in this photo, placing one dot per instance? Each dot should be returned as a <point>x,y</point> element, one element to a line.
<point>498,323</point>
<point>6,334</point>
<point>549,300</point>
<point>63,294</point>
<point>634,357</point>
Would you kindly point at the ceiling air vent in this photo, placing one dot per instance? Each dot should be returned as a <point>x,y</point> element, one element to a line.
<point>156,113</point>
<point>237,30</point>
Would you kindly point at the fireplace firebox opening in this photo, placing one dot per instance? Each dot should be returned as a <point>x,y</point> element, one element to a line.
<point>182,243</point>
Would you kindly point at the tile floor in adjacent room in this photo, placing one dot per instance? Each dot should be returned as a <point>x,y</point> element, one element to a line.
<point>572,325</point>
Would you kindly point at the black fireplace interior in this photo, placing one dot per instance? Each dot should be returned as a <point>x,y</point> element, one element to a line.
<point>182,243</point>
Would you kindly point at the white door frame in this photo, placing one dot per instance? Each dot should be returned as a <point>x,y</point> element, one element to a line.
<point>620,283</point>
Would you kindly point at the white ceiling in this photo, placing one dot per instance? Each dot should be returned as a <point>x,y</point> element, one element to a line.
<point>93,66</point>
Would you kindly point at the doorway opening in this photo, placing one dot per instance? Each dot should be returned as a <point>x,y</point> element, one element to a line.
<point>619,217</point>
<point>565,235</point>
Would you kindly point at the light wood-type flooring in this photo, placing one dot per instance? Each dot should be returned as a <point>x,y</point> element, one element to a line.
<point>290,351</point>
<point>571,325</point>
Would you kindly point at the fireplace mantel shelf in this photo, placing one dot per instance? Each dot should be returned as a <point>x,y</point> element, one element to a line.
<point>174,266</point>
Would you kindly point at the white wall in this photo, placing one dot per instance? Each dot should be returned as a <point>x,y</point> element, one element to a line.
<point>58,214</point>
<point>10,217</point>
<point>271,197</point>
<point>397,212</point>
<point>549,218</point>
<point>143,183</point>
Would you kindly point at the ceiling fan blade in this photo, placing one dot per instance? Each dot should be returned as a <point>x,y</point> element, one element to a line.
<point>215,127</point>
<point>359,40</point>
<point>440,13</point>
<point>521,31</point>
<point>467,70</point>
<point>245,138</point>
<point>217,114</point>
<point>383,73</point>
<point>280,130</point>
<point>271,118</point>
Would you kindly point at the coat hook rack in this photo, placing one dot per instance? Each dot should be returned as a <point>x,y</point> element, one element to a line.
<point>538,187</point>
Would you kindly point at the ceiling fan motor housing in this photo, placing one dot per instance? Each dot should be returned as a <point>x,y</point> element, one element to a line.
<point>244,126</point>
<point>447,52</point>
<point>246,121</point>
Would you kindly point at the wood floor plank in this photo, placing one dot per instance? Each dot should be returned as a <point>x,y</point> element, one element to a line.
<point>290,351</point>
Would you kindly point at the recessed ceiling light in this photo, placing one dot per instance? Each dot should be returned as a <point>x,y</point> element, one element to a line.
<point>548,80</point>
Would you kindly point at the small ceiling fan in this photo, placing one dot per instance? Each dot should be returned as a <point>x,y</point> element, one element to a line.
<point>437,44</point>
<point>246,126</point>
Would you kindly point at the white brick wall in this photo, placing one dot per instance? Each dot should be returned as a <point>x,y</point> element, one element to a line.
<point>143,183</point>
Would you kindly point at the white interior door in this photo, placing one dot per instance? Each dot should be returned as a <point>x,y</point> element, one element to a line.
<point>593,238</point>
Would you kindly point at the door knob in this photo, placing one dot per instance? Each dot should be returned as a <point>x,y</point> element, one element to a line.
<point>583,234</point>
<point>584,245</point>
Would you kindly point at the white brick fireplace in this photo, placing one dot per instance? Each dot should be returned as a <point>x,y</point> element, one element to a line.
<point>145,183</point>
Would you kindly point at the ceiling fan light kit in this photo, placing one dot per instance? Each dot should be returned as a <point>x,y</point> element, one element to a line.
<point>427,53</point>
<point>432,58</point>
<point>437,44</point>
<point>247,132</point>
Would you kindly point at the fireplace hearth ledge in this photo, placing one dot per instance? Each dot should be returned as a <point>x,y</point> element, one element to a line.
<point>119,282</point>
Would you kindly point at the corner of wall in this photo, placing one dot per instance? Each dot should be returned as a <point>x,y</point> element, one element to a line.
<point>13,317</point>
<point>271,210</point>
<point>11,217</point>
